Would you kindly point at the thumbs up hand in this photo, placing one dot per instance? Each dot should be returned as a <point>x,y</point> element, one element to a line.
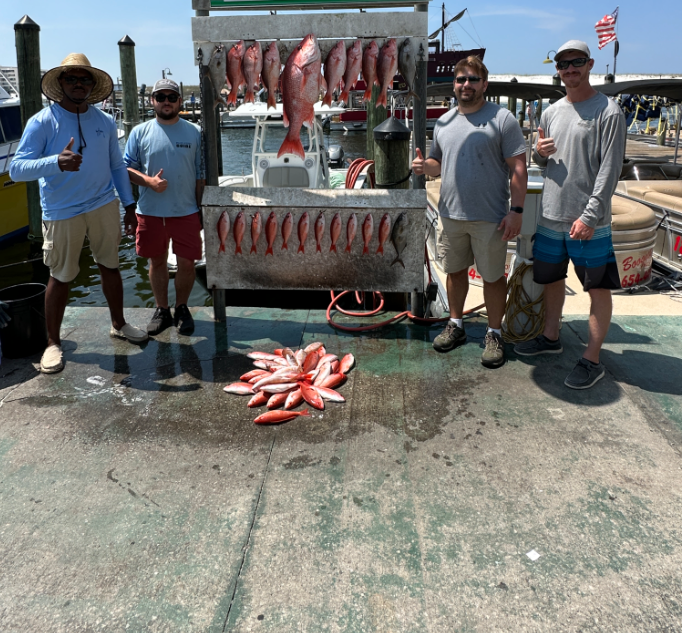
<point>68,160</point>
<point>545,146</point>
<point>418,163</point>
<point>158,183</point>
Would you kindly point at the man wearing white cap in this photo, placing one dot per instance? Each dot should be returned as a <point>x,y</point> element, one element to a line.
<point>71,148</point>
<point>581,145</point>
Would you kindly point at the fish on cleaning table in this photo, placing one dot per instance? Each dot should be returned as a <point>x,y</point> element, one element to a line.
<point>407,65</point>
<point>271,70</point>
<point>384,232</point>
<point>335,231</point>
<point>274,417</point>
<point>369,69</point>
<point>351,229</point>
<point>287,225</point>
<point>217,67</point>
<point>302,82</point>
<point>253,66</point>
<point>367,230</point>
<point>334,68</point>
<point>303,225</point>
<point>223,229</point>
<point>270,232</point>
<point>319,232</point>
<point>235,75</point>
<point>238,231</point>
<point>239,388</point>
<point>387,67</point>
<point>399,237</point>
<point>353,69</point>
<point>256,226</point>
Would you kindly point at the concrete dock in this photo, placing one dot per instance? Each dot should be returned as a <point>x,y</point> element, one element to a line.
<point>137,496</point>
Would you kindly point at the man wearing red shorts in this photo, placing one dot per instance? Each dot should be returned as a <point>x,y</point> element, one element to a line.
<point>163,157</point>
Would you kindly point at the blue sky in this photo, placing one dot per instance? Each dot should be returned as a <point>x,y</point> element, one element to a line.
<point>517,36</point>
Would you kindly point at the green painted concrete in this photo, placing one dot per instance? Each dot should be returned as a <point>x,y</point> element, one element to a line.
<point>136,495</point>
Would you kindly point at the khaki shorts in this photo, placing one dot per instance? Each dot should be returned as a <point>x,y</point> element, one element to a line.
<point>461,242</point>
<point>63,240</point>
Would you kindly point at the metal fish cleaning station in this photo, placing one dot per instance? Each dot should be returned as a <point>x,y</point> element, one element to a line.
<point>136,495</point>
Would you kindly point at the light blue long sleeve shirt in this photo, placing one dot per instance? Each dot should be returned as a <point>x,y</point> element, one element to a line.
<point>176,149</point>
<point>64,194</point>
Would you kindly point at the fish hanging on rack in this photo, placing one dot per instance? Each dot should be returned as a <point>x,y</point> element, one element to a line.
<point>270,232</point>
<point>253,66</point>
<point>384,232</point>
<point>367,230</point>
<point>287,225</point>
<point>303,224</point>
<point>319,232</point>
<point>351,229</point>
<point>399,238</point>
<point>256,226</point>
<point>334,68</point>
<point>407,66</point>
<point>369,69</point>
<point>235,74</point>
<point>335,231</point>
<point>223,228</point>
<point>271,70</point>
<point>238,231</point>
<point>216,71</point>
<point>353,70</point>
<point>387,67</point>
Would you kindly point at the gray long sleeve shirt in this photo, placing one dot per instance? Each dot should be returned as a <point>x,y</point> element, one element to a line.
<point>581,177</point>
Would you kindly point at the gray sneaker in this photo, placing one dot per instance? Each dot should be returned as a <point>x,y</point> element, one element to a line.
<point>450,337</point>
<point>585,374</point>
<point>538,345</point>
<point>493,355</point>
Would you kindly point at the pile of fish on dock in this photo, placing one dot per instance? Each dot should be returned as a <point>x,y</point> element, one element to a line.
<point>287,378</point>
<point>397,235</point>
<point>302,82</point>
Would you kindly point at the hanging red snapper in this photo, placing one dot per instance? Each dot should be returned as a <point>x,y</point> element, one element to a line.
<point>270,75</point>
<point>387,67</point>
<point>353,68</point>
<point>384,232</point>
<point>235,76</point>
<point>287,225</point>
<point>303,225</point>
<point>253,65</point>
<point>256,226</point>
<point>334,68</point>
<point>319,232</point>
<point>270,232</point>
<point>335,231</point>
<point>223,229</point>
<point>369,68</point>
<point>351,229</point>
<point>367,230</point>
<point>301,86</point>
<point>238,232</point>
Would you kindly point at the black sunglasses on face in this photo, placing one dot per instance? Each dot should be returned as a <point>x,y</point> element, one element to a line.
<point>463,79</point>
<point>577,63</point>
<point>161,97</point>
<point>72,80</point>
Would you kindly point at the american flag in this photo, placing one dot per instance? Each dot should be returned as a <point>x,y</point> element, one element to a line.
<point>606,29</point>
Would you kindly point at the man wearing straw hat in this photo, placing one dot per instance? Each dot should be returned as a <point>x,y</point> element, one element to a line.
<point>72,149</point>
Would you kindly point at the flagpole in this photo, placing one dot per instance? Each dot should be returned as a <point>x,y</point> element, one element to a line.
<point>615,55</point>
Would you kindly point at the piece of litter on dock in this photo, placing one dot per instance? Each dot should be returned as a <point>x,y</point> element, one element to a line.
<point>533,555</point>
<point>96,380</point>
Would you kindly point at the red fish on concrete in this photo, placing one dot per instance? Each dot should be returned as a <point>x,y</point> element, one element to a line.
<point>367,230</point>
<point>328,394</point>
<point>347,363</point>
<point>258,400</point>
<point>333,380</point>
<point>351,230</point>
<point>239,389</point>
<point>270,75</point>
<point>301,86</point>
<point>384,232</point>
<point>387,67</point>
<point>369,68</point>
<point>275,417</point>
<point>294,398</point>
<point>238,231</point>
<point>303,225</point>
<point>223,229</point>
<point>287,225</point>
<point>353,69</point>
<point>313,347</point>
<point>319,232</point>
<point>311,396</point>
<point>254,373</point>
<point>253,66</point>
<point>335,231</point>
<point>262,356</point>
<point>310,362</point>
<point>235,74</point>
<point>278,399</point>
<point>334,68</point>
<point>256,227</point>
<point>270,232</point>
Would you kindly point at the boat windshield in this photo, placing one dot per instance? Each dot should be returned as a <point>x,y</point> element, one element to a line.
<point>10,124</point>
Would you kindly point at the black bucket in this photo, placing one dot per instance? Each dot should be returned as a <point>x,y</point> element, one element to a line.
<point>26,333</point>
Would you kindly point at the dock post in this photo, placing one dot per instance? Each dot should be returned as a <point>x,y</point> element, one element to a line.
<point>556,81</point>
<point>375,116</point>
<point>27,38</point>
<point>131,111</point>
<point>392,155</point>
<point>511,101</point>
<point>419,105</point>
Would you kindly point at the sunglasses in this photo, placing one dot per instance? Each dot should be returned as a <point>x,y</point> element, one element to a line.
<point>160,97</point>
<point>463,79</point>
<point>72,80</point>
<point>577,63</point>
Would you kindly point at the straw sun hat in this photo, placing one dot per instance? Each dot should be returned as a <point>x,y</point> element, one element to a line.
<point>102,88</point>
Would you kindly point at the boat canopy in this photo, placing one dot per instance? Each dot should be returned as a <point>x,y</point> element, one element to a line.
<point>527,91</point>
<point>670,88</point>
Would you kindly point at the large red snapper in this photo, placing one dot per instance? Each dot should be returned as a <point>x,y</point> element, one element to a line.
<point>369,69</point>
<point>334,68</point>
<point>387,67</point>
<point>253,65</point>
<point>353,68</point>
<point>271,69</point>
<point>301,86</point>
<point>235,75</point>
<point>223,229</point>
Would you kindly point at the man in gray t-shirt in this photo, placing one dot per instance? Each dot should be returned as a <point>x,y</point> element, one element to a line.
<point>581,144</point>
<point>477,149</point>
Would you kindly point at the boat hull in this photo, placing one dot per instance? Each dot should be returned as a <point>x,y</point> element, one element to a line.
<point>14,205</point>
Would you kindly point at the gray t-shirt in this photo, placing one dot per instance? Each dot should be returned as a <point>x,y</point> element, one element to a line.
<point>581,177</point>
<point>472,149</point>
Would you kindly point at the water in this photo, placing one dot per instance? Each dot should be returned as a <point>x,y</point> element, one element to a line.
<point>86,289</point>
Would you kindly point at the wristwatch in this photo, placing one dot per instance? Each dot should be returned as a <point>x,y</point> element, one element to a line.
<point>516,209</point>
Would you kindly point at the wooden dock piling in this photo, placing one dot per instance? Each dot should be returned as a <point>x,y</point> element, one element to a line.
<point>27,38</point>
<point>131,111</point>
<point>375,116</point>
<point>419,105</point>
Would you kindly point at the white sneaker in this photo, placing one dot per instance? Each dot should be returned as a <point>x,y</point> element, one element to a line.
<point>130,333</point>
<point>52,360</point>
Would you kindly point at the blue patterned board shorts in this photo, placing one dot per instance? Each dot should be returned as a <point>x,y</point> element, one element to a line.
<point>594,261</point>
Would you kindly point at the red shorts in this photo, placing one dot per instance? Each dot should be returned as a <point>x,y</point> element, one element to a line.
<point>153,234</point>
